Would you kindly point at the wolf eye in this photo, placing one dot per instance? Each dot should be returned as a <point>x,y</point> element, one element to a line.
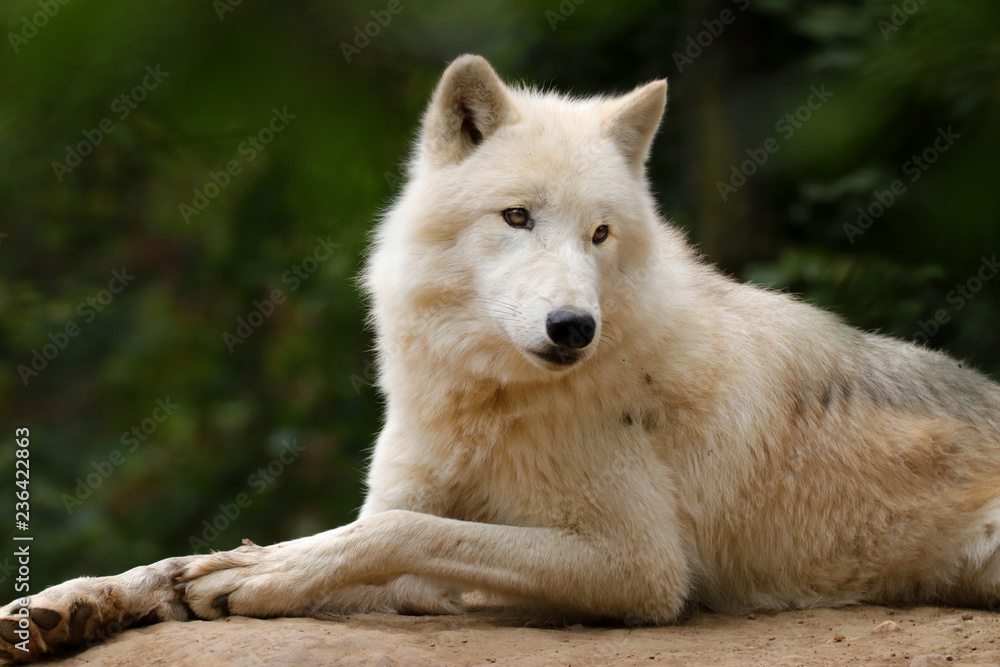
<point>600,234</point>
<point>518,217</point>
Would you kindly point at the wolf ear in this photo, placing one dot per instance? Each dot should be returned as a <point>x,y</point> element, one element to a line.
<point>469,104</point>
<point>630,121</point>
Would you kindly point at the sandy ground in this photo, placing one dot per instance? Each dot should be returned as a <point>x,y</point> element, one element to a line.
<point>916,636</point>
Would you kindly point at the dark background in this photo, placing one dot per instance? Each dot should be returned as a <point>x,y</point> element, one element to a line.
<point>303,375</point>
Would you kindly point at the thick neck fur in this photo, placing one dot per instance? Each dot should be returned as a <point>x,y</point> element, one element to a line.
<point>477,383</point>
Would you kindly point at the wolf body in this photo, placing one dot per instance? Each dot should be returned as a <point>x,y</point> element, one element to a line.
<point>582,414</point>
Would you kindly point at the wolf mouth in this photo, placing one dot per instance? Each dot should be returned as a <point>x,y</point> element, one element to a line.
<point>559,356</point>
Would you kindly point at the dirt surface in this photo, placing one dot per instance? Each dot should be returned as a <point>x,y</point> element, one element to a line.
<point>853,636</point>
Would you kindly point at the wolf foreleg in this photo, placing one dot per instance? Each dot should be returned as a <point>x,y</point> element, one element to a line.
<point>571,571</point>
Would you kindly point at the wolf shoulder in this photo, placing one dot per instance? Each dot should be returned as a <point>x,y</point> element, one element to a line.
<point>778,352</point>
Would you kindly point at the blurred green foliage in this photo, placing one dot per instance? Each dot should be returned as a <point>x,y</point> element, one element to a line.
<point>898,73</point>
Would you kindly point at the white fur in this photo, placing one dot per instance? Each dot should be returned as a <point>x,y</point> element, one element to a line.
<point>715,442</point>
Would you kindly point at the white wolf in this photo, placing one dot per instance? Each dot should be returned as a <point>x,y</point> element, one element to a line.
<point>582,414</point>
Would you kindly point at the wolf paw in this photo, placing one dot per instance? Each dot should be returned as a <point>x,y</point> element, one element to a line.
<point>321,574</point>
<point>65,616</point>
<point>84,612</point>
<point>248,581</point>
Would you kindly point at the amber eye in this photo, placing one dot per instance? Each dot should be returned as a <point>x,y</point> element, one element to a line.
<point>518,217</point>
<point>600,234</point>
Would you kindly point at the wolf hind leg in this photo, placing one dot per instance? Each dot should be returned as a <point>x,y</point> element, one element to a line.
<point>978,582</point>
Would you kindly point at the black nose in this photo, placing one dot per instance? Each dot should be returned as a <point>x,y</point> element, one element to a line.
<point>570,328</point>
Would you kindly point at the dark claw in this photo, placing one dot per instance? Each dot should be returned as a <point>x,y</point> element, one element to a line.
<point>7,628</point>
<point>222,602</point>
<point>78,623</point>
<point>149,619</point>
<point>46,619</point>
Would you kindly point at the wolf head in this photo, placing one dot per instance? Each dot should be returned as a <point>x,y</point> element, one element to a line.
<point>524,218</point>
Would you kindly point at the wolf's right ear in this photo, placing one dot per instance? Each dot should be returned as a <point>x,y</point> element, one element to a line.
<point>469,104</point>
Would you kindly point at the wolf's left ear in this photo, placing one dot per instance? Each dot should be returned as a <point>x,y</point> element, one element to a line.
<point>470,103</point>
<point>630,121</point>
